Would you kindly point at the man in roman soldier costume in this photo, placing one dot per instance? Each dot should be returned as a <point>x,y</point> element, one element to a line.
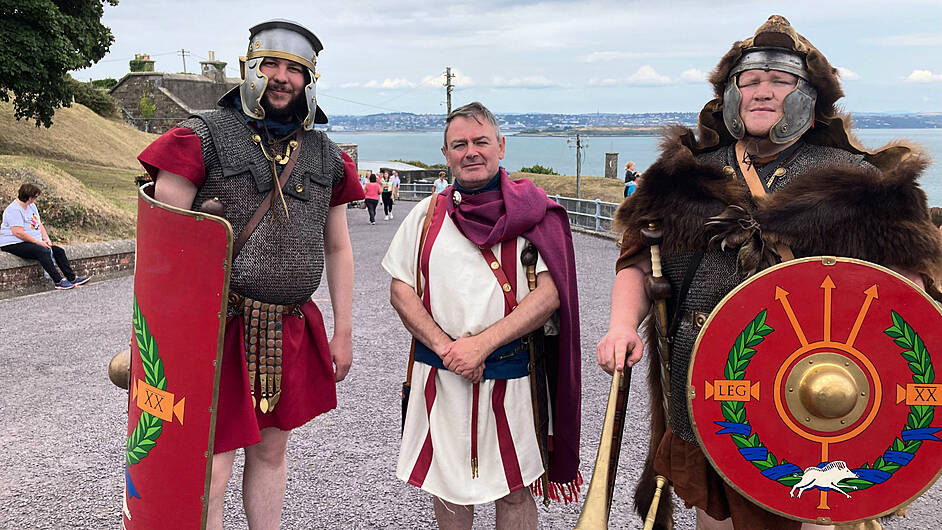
<point>282,185</point>
<point>477,270</point>
<point>773,172</point>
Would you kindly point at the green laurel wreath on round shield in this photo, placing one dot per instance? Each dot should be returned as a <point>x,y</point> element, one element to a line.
<point>920,416</point>
<point>148,429</point>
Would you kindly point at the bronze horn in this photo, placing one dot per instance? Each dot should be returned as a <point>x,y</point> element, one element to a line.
<point>598,500</point>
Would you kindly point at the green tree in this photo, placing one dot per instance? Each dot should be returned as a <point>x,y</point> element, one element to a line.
<point>42,41</point>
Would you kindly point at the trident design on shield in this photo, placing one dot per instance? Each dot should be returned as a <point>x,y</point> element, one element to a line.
<point>828,391</point>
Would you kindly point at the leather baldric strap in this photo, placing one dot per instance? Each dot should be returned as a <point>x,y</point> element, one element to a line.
<point>756,189</point>
<point>418,277</point>
<point>263,208</point>
<point>507,285</point>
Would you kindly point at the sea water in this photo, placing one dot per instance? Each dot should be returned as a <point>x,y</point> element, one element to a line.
<point>556,153</point>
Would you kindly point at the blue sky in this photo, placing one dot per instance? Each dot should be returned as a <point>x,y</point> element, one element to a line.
<point>535,56</point>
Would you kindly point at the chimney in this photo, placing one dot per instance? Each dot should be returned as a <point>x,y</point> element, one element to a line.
<point>213,69</point>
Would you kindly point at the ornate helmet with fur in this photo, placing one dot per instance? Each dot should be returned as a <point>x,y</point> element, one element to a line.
<point>775,46</point>
<point>286,40</point>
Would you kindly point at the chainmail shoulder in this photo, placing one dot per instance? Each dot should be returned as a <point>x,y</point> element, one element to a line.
<point>282,261</point>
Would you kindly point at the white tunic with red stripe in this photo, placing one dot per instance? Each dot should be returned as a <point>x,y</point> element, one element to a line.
<point>465,299</point>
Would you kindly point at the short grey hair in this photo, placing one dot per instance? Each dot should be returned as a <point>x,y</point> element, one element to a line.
<point>473,111</point>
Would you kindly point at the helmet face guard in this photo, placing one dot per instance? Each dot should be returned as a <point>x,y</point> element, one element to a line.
<point>797,107</point>
<point>282,39</point>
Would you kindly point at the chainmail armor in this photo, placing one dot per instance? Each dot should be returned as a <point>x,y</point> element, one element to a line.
<point>717,274</point>
<point>239,175</point>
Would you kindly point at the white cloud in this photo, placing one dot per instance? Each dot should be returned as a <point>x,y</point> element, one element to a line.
<point>602,81</point>
<point>354,84</point>
<point>529,81</point>
<point>646,75</point>
<point>459,80</point>
<point>923,76</point>
<point>397,82</point>
<point>847,74</point>
<point>692,75</point>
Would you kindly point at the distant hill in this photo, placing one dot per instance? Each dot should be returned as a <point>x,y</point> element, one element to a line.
<point>605,123</point>
<point>85,165</point>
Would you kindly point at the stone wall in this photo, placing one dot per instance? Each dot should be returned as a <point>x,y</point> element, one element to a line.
<point>128,94</point>
<point>107,259</point>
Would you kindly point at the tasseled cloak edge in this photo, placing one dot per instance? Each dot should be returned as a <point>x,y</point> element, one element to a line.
<point>564,493</point>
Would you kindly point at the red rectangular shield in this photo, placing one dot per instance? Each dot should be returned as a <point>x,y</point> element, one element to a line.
<point>181,281</point>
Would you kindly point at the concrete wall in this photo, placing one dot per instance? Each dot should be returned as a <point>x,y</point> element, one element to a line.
<point>99,260</point>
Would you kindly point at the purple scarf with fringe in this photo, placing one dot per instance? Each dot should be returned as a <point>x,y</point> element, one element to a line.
<point>519,208</point>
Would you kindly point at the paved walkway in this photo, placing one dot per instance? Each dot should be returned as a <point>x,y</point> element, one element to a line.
<point>63,424</point>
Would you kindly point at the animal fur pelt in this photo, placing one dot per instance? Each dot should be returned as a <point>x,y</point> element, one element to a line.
<point>858,212</point>
<point>882,217</point>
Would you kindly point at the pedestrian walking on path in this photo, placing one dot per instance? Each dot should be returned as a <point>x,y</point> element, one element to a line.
<point>371,189</point>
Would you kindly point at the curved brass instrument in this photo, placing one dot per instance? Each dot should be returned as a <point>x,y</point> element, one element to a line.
<point>652,510</point>
<point>598,500</point>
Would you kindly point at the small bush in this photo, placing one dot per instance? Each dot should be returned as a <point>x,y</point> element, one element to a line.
<point>96,99</point>
<point>538,169</point>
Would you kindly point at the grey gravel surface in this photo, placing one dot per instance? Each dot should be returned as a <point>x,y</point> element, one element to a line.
<point>63,424</point>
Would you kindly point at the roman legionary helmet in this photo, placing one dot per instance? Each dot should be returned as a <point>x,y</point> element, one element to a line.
<point>286,40</point>
<point>775,46</point>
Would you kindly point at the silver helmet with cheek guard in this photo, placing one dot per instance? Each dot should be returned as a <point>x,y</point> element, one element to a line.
<point>798,105</point>
<point>281,39</point>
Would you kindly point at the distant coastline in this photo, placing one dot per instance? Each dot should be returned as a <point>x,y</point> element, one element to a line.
<point>598,124</point>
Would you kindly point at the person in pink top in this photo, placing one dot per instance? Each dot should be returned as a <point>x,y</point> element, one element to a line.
<point>371,189</point>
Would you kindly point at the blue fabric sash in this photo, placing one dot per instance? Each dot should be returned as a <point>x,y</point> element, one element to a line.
<point>510,361</point>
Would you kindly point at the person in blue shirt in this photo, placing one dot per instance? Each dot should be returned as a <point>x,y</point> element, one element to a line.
<point>23,234</point>
<point>630,176</point>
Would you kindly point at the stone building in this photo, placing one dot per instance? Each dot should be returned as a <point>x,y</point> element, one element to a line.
<point>155,101</point>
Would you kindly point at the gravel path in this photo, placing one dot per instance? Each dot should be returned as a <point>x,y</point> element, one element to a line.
<point>62,423</point>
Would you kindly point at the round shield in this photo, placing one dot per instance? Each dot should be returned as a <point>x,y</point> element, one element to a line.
<point>813,392</point>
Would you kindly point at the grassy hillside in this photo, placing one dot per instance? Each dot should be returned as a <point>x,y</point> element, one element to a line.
<point>608,190</point>
<point>77,134</point>
<point>85,165</point>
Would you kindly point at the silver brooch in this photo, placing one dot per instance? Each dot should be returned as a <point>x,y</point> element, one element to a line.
<point>456,198</point>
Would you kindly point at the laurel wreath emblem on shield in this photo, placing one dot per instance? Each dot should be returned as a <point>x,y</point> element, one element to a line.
<point>900,452</point>
<point>148,429</point>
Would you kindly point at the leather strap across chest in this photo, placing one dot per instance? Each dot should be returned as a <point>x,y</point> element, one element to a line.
<point>756,189</point>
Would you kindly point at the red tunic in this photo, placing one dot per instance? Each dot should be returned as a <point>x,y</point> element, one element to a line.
<point>307,386</point>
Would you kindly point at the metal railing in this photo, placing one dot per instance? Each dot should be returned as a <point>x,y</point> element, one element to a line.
<point>593,215</point>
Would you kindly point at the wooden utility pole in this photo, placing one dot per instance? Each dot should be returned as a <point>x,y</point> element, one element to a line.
<point>184,53</point>
<point>448,87</point>
<point>580,146</point>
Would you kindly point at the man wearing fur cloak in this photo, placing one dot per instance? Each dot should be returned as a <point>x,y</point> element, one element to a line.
<point>809,189</point>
